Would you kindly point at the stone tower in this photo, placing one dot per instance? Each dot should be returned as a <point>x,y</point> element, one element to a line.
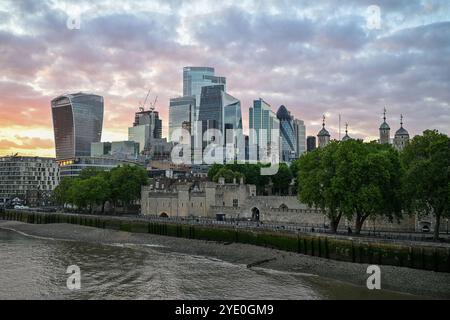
<point>323,135</point>
<point>385,130</point>
<point>401,136</point>
<point>346,137</point>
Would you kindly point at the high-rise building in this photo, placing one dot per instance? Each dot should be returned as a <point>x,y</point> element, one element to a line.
<point>180,113</point>
<point>261,117</point>
<point>146,127</point>
<point>77,122</point>
<point>310,143</point>
<point>30,179</point>
<point>288,136</point>
<point>385,131</point>
<point>194,79</point>
<point>300,133</point>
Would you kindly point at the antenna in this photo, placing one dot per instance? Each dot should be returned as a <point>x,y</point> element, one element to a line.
<point>339,126</point>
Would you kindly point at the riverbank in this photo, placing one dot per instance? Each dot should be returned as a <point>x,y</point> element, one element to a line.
<point>426,284</point>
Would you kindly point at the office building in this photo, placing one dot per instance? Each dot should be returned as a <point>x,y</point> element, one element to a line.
<point>194,79</point>
<point>288,135</point>
<point>310,143</point>
<point>77,122</point>
<point>300,134</point>
<point>99,149</point>
<point>262,120</point>
<point>30,179</point>
<point>180,113</point>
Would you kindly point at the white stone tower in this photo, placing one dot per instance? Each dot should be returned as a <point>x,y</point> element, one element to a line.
<point>385,131</point>
<point>401,136</point>
<point>323,135</point>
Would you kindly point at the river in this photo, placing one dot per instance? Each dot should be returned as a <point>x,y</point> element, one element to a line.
<point>35,268</point>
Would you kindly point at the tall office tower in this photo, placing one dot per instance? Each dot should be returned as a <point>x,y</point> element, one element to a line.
<point>146,127</point>
<point>310,143</point>
<point>219,110</point>
<point>300,133</point>
<point>77,122</point>
<point>261,117</point>
<point>194,79</point>
<point>180,113</point>
<point>288,137</point>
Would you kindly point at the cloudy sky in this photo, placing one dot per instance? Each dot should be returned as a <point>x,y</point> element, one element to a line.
<point>315,57</point>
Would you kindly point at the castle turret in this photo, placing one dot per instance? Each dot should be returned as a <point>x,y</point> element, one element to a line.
<point>346,137</point>
<point>323,135</point>
<point>401,136</point>
<point>385,130</point>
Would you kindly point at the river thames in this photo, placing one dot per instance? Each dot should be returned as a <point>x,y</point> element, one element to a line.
<point>35,268</point>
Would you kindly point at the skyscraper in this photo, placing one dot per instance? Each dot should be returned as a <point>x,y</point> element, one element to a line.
<point>146,127</point>
<point>180,113</point>
<point>288,136</point>
<point>310,143</point>
<point>77,122</point>
<point>195,78</point>
<point>261,117</point>
<point>300,134</point>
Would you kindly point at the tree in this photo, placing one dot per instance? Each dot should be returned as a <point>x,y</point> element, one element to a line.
<point>126,182</point>
<point>426,160</point>
<point>61,192</point>
<point>282,179</point>
<point>317,182</point>
<point>368,178</point>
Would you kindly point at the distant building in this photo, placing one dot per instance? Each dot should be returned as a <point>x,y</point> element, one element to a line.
<point>124,149</point>
<point>385,131</point>
<point>401,138</point>
<point>346,137</point>
<point>181,111</point>
<point>310,143</point>
<point>288,135</point>
<point>300,136</point>
<point>73,167</point>
<point>31,179</point>
<point>194,79</point>
<point>147,126</point>
<point>77,122</point>
<point>99,149</point>
<point>261,117</point>
<point>323,135</point>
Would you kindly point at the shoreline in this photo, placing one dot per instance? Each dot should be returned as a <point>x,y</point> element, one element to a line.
<point>400,281</point>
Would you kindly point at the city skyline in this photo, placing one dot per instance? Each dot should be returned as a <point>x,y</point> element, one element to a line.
<point>311,58</point>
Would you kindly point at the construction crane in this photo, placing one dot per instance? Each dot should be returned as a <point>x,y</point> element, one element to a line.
<point>153,105</point>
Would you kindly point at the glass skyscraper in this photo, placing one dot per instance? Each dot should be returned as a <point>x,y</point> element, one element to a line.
<point>261,117</point>
<point>77,122</point>
<point>195,78</point>
<point>288,135</point>
<point>180,113</point>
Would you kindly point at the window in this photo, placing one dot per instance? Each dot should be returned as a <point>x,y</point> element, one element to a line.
<point>235,203</point>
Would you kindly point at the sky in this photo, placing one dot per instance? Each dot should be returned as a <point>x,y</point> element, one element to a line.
<point>314,57</point>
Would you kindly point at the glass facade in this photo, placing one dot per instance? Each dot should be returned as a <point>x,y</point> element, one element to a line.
<point>300,133</point>
<point>288,135</point>
<point>261,117</point>
<point>77,122</point>
<point>195,78</point>
<point>180,113</point>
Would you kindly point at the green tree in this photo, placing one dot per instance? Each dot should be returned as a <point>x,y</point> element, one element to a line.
<point>61,193</point>
<point>368,180</point>
<point>317,182</point>
<point>282,179</point>
<point>126,182</point>
<point>426,160</point>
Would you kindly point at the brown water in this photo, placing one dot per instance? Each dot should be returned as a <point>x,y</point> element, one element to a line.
<point>35,268</point>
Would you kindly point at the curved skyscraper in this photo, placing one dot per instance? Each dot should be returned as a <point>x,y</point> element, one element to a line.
<point>77,122</point>
<point>288,135</point>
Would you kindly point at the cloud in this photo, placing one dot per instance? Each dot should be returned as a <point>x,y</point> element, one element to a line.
<point>314,57</point>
